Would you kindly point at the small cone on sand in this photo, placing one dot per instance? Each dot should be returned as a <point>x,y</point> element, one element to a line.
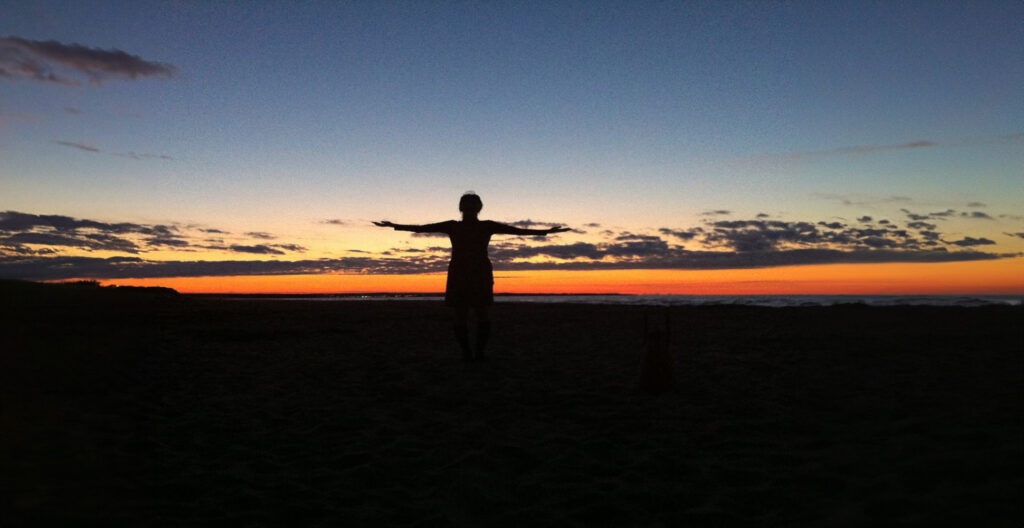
<point>656,366</point>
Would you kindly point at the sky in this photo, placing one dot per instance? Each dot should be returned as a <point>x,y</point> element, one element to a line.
<point>693,147</point>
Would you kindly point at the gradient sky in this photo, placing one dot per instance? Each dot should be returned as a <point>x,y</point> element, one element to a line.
<point>708,145</point>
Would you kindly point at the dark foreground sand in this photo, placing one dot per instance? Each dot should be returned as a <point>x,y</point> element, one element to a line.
<point>168,411</point>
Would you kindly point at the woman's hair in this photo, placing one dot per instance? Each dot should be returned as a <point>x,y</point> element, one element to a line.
<point>470,203</point>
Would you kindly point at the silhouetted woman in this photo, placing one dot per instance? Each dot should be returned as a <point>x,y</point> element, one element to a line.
<point>470,278</point>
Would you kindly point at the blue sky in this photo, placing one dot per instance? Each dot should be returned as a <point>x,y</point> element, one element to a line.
<point>636,114</point>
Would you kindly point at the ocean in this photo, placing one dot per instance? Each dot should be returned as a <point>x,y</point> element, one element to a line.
<point>772,301</point>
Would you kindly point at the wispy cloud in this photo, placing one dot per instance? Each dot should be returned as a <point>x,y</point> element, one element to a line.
<point>860,149</point>
<point>131,155</point>
<point>79,146</point>
<point>882,147</point>
<point>862,199</point>
<point>46,61</point>
<point>141,156</point>
<point>938,215</point>
<point>8,118</point>
<point>849,150</point>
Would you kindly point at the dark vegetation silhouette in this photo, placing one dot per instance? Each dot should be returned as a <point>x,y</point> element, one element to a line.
<point>19,294</point>
<point>470,284</point>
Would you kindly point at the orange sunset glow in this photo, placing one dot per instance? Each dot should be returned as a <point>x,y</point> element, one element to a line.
<point>994,277</point>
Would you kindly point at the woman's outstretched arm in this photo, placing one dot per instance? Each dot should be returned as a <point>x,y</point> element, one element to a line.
<point>505,229</point>
<point>439,227</point>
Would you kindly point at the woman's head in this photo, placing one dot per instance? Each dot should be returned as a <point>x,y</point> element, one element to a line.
<point>470,203</point>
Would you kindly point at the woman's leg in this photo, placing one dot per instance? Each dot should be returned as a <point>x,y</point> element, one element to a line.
<point>461,324</point>
<point>483,328</point>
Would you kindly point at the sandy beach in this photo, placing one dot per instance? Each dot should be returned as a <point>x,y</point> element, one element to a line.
<point>163,410</point>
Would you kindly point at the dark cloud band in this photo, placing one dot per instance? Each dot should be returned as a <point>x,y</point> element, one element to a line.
<point>42,60</point>
<point>40,268</point>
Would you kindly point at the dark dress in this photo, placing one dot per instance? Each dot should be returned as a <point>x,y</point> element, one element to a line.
<point>470,276</point>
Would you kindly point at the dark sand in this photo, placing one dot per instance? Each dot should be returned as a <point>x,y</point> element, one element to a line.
<point>163,411</point>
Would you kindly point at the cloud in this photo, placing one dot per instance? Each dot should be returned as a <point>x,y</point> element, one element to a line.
<point>16,249</point>
<point>864,219</point>
<point>16,221</point>
<point>72,110</point>
<point>975,204</point>
<point>682,234</point>
<point>860,149</point>
<point>8,118</point>
<point>1019,235</point>
<point>971,241</point>
<point>861,199</point>
<point>79,146</point>
<point>914,216</point>
<point>130,155</point>
<point>941,215</point>
<point>291,247</point>
<point>37,268</point>
<point>141,155</point>
<point>527,224</point>
<point>258,249</point>
<point>20,229</point>
<point>856,149</point>
<point>716,212</point>
<point>745,236</point>
<point>166,239</point>
<point>261,235</point>
<point>760,235</point>
<point>626,236</point>
<point>976,215</point>
<point>559,251</point>
<point>334,221</point>
<point>93,241</point>
<point>46,61</point>
<point>30,245</point>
